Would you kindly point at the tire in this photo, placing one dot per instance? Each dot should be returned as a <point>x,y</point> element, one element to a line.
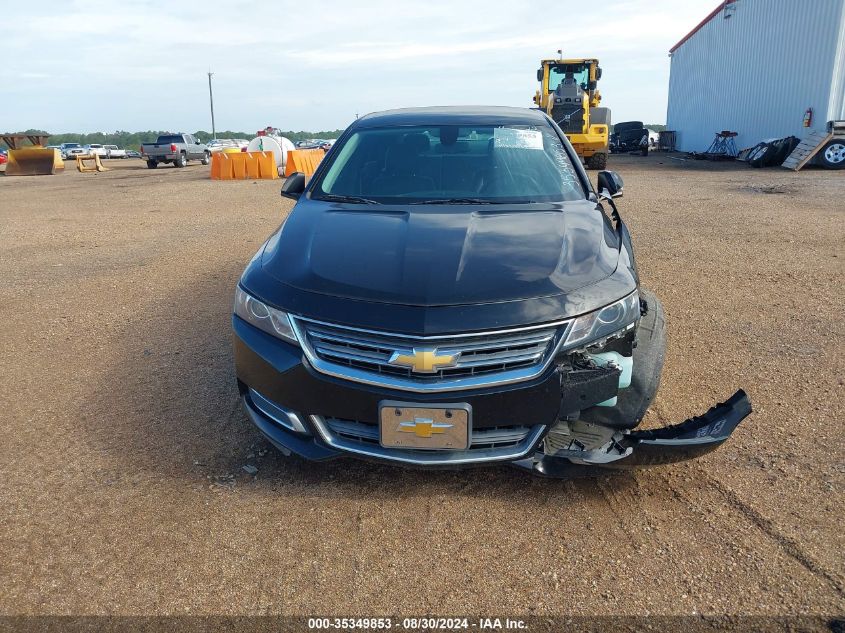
<point>832,155</point>
<point>181,161</point>
<point>597,161</point>
<point>775,149</point>
<point>785,147</point>
<point>152,164</point>
<point>206,158</point>
<point>649,354</point>
<point>627,125</point>
<point>758,154</point>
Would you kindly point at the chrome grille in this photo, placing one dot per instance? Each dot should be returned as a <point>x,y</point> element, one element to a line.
<point>493,437</point>
<point>487,445</point>
<point>485,358</point>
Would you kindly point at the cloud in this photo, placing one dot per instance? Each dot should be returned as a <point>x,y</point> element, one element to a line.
<point>314,65</point>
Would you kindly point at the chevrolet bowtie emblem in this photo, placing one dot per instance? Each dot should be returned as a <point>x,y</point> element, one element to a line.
<point>424,361</point>
<point>424,427</point>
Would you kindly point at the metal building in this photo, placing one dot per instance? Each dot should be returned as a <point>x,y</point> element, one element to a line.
<point>758,67</point>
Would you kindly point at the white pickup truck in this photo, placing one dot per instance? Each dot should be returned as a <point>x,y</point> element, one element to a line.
<point>113,151</point>
<point>97,149</point>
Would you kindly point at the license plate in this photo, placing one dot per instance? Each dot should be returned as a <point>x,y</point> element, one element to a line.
<point>434,427</point>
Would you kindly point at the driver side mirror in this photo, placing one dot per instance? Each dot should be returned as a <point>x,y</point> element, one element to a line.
<point>610,184</point>
<point>539,74</point>
<point>294,185</point>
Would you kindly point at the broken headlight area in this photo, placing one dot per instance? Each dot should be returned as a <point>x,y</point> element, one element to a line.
<point>607,383</point>
<point>592,422</point>
<point>589,379</point>
<point>593,375</point>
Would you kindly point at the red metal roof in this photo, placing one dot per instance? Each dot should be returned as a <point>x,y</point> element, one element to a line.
<point>701,24</point>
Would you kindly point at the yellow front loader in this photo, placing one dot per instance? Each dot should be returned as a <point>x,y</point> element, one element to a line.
<point>568,93</point>
<point>31,160</point>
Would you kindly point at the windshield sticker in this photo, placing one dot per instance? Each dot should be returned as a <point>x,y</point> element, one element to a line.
<point>511,138</point>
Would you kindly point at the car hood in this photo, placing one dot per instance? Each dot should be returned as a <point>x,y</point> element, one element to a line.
<point>442,255</point>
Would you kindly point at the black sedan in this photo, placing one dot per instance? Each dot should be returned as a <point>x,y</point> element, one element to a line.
<point>450,290</point>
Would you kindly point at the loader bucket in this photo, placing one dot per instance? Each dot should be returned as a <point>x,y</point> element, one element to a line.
<point>33,161</point>
<point>95,167</point>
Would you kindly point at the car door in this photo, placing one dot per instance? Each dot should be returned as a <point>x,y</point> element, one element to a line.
<point>188,140</point>
<point>196,148</point>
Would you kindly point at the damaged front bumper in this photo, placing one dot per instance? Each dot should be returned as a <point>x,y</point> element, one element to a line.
<point>574,420</point>
<point>625,449</point>
<point>631,449</point>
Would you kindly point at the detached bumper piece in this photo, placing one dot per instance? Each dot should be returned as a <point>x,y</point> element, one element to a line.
<point>689,439</point>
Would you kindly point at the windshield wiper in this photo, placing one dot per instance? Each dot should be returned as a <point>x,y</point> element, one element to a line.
<point>457,201</point>
<point>333,197</point>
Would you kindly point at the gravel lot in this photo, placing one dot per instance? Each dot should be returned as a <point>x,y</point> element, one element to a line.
<point>122,487</point>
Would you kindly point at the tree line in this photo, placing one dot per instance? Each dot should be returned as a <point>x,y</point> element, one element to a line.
<point>133,140</point>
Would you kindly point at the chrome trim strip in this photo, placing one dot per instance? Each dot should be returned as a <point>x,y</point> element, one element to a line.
<point>434,337</point>
<point>408,384</point>
<point>350,427</point>
<point>258,419</point>
<point>493,435</point>
<point>430,458</point>
<point>490,359</point>
<point>497,435</point>
<point>277,413</point>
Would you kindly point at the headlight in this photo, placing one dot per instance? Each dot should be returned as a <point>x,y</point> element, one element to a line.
<point>608,320</point>
<point>264,317</point>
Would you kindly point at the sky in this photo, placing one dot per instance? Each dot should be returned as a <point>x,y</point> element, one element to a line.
<point>100,65</point>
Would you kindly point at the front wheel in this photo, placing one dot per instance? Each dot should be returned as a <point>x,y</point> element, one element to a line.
<point>206,158</point>
<point>597,161</point>
<point>181,161</point>
<point>833,154</point>
<point>152,164</point>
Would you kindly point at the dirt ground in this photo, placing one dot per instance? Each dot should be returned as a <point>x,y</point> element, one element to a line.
<point>121,481</point>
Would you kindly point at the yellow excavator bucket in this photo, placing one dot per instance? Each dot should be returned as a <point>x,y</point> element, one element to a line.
<point>33,161</point>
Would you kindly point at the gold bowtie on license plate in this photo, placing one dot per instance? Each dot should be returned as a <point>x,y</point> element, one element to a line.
<point>435,427</point>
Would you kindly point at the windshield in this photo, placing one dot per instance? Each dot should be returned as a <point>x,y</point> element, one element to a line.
<point>578,72</point>
<point>69,145</point>
<point>470,164</point>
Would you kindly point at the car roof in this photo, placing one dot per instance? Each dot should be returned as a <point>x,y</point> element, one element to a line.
<point>454,115</point>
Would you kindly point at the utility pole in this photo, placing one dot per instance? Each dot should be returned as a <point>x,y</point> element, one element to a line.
<point>211,101</point>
